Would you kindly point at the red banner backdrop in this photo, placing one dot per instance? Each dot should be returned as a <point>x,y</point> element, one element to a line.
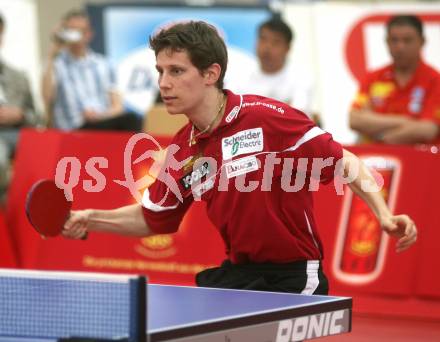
<point>167,259</point>
<point>406,284</point>
<point>359,260</point>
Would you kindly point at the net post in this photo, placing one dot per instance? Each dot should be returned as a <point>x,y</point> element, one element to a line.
<point>138,310</point>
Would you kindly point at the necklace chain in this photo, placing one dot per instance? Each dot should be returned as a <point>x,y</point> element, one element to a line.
<point>193,137</point>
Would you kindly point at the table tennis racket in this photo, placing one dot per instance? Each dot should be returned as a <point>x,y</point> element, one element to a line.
<point>47,208</point>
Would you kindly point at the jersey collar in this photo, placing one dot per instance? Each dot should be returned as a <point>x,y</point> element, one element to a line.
<point>233,106</point>
<point>420,70</point>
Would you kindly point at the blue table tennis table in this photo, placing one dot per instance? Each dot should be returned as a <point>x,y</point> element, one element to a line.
<point>50,306</point>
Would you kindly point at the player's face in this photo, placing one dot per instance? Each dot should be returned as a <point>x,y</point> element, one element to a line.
<point>272,50</point>
<point>181,84</point>
<point>404,44</point>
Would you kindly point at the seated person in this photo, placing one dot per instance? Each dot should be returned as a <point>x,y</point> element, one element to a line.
<point>275,76</point>
<point>16,111</point>
<point>79,89</point>
<point>400,103</point>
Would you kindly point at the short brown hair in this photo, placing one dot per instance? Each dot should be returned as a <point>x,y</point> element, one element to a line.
<point>200,40</point>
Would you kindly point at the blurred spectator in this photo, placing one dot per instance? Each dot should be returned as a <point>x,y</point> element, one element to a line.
<point>400,103</point>
<point>16,111</point>
<point>275,76</point>
<point>79,87</point>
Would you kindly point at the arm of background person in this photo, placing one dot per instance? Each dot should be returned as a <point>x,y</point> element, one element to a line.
<point>372,124</point>
<point>116,108</point>
<point>423,129</point>
<point>400,226</point>
<point>364,119</point>
<point>31,117</point>
<point>20,110</point>
<point>116,104</point>
<point>412,132</point>
<point>48,84</point>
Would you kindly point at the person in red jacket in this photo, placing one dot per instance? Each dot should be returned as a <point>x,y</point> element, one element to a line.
<point>400,103</point>
<point>239,154</point>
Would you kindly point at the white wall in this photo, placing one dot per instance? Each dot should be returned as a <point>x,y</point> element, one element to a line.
<point>321,30</point>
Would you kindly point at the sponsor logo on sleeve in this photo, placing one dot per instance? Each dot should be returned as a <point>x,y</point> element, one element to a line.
<point>243,142</point>
<point>200,189</point>
<point>232,114</point>
<point>195,176</point>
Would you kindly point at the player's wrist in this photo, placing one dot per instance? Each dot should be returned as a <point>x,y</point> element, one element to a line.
<point>385,220</point>
<point>88,215</point>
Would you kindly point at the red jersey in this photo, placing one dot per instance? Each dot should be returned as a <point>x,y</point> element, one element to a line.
<point>236,172</point>
<point>419,99</point>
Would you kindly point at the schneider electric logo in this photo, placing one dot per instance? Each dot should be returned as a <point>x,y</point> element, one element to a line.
<point>248,141</point>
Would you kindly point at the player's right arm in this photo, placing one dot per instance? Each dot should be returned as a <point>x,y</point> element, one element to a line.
<point>399,226</point>
<point>128,221</point>
<point>160,212</point>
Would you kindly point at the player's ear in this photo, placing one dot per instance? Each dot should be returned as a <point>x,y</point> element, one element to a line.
<point>212,74</point>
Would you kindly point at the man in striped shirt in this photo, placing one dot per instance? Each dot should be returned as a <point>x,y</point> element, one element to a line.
<point>79,87</point>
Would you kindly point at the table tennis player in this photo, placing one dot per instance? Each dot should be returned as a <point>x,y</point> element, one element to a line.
<point>268,228</point>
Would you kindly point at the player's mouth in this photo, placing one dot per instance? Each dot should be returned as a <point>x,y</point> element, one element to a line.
<point>168,99</point>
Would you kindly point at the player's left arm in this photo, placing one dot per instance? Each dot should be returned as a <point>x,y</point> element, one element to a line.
<point>400,226</point>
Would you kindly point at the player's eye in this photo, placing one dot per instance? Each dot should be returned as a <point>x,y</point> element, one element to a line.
<point>177,71</point>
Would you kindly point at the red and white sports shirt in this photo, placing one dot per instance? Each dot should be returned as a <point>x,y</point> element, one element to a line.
<point>419,99</point>
<point>243,170</point>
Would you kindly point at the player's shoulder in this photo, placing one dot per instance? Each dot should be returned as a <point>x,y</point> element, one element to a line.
<point>270,113</point>
<point>262,107</point>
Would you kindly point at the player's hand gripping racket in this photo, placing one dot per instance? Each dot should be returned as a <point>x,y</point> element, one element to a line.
<point>47,208</point>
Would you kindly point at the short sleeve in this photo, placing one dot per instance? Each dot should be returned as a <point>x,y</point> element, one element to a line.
<point>297,137</point>
<point>162,210</point>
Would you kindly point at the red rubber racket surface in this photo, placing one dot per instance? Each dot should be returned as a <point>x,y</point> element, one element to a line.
<point>47,208</point>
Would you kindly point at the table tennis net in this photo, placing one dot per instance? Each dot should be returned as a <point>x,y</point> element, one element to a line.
<point>63,305</point>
